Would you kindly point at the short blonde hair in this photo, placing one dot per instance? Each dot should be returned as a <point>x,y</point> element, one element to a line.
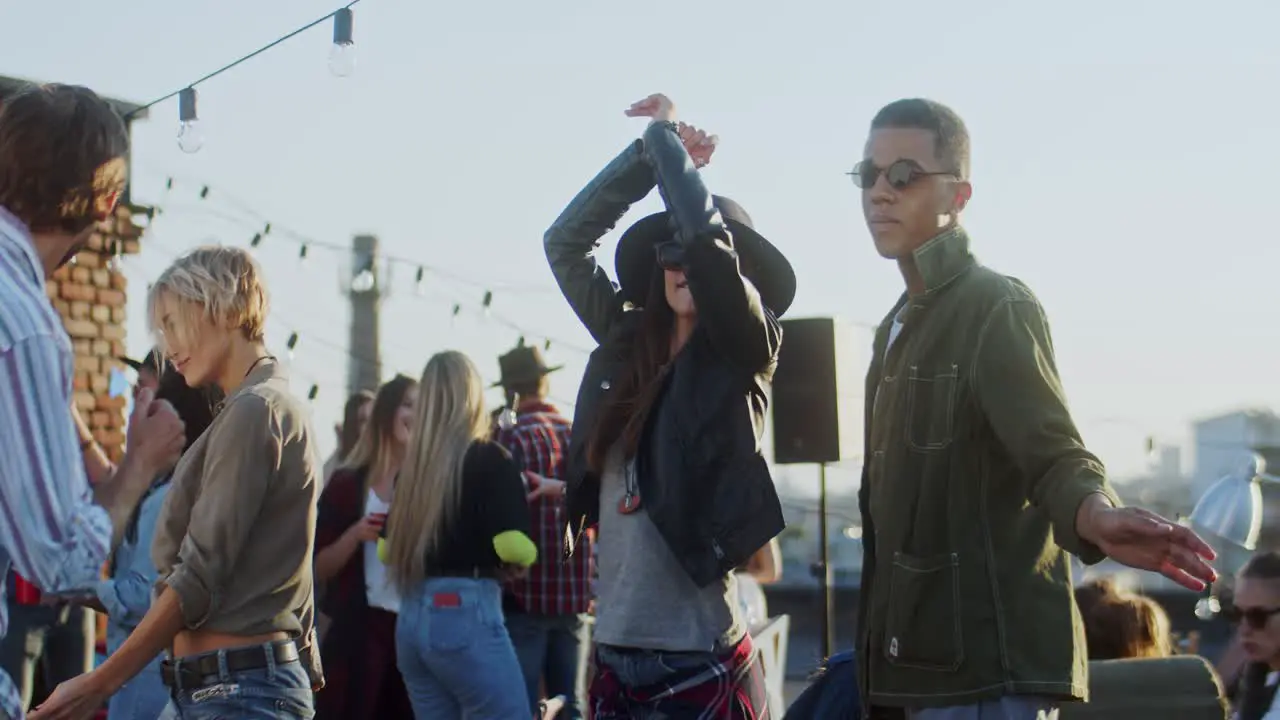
<point>224,285</point>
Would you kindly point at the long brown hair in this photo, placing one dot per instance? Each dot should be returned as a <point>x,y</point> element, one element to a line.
<point>372,453</point>
<point>626,410</point>
<point>351,425</point>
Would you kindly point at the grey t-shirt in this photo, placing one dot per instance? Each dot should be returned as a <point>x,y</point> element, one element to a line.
<point>644,598</point>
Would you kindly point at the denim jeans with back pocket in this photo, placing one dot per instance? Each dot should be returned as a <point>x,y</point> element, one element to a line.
<point>276,691</point>
<point>455,654</point>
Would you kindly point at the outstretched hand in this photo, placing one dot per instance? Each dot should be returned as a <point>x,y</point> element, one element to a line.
<point>1142,539</point>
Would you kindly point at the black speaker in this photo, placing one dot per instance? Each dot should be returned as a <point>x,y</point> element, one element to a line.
<point>815,393</point>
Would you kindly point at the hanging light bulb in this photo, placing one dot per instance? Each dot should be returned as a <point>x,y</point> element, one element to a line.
<point>190,134</point>
<point>302,253</point>
<point>342,57</point>
<point>293,343</point>
<point>419,281</point>
<point>315,390</point>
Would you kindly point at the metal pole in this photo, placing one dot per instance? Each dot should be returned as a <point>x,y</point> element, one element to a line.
<point>824,562</point>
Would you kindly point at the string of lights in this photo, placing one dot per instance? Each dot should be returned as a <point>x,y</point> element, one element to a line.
<point>341,64</point>
<point>263,230</point>
<point>207,195</point>
<point>297,334</point>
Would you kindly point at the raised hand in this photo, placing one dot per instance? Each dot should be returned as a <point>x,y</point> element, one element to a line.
<point>699,144</point>
<point>156,434</point>
<point>656,106</point>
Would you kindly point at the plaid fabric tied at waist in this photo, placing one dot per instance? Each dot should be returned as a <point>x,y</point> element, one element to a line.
<point>731,687</point>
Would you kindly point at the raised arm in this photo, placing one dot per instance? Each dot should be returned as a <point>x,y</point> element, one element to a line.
<point>729,306</point>
<point>1015,379</point>
<point>571,241</point>
<point>126,595</point>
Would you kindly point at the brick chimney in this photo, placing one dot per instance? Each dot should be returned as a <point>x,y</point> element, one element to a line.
<point>90,295</point>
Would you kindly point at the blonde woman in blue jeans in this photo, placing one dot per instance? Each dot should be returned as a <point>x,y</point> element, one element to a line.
<point>459,525</point>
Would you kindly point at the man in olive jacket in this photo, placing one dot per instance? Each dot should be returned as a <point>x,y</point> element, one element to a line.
<point>976,484</point>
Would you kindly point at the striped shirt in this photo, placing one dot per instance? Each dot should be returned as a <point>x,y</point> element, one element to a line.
<point>539,442</point>
<point>50,529</point>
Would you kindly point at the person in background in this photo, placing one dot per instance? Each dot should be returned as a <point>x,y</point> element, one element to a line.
<point>1119,624</point>
<point>546,611</point>
<point>49,640</point>
<point>978,485</point>
<point>671,408</point>
<point>125,595</point>
<point>459,526</point>
<point>233,545</point>
<point>62,169</point>
<point>355,415</point>
<point>358,648</point>
<point>1255,611</point>
<point>148,369</point>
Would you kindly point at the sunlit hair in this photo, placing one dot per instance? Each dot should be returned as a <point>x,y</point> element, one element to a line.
<point>222,285</point>
<point>1120,624</point>
<point>450,417</point>
<point>375,449</point>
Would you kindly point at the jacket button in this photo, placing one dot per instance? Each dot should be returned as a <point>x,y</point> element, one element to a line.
<point>605,385</point>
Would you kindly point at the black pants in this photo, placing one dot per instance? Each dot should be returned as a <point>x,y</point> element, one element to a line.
<point>46,645</point>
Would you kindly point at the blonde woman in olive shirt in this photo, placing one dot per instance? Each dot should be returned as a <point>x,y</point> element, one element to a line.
<point>458,525</point>
<point>233,543</point>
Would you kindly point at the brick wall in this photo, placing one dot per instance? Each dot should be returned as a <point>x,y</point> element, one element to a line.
<point>90,293</point>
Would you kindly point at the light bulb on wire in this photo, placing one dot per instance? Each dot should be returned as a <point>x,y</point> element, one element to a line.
<point>342,57</point>
<point>190,134</point>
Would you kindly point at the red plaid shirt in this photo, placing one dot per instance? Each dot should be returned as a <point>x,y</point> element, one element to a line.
<point>539,442</point>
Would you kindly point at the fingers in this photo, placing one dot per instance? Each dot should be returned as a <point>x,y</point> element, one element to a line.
<point>1191,563</point>
<point>1185,537</point>
<point>1183,578</point>
<point>142,402</point>
<point>644,108</point>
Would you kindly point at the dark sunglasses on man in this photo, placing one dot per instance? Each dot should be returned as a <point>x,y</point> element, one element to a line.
<point>1255,617</point>
<point>900,174</point>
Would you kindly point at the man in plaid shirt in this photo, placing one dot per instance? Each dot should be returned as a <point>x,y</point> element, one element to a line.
<point>546,609</point>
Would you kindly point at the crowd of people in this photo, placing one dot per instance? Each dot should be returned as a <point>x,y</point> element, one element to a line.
<point>451,562</point>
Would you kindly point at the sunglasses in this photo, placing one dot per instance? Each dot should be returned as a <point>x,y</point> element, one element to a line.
<point>1255,617</point>
<point>670,255</point>
<point>900,174</point>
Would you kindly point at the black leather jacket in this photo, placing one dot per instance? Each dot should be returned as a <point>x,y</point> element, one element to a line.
<point>702,479</point>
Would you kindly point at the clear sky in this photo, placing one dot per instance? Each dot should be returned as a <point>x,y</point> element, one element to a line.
<point>1125,158</point>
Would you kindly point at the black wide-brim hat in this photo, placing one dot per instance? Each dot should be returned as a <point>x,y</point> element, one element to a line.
<point>764,265</point>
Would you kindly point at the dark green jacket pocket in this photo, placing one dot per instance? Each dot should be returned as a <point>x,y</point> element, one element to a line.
<point>923,627</point>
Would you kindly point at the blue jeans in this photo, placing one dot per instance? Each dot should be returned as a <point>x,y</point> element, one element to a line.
<point>142,698</point>
<point>455,654</point>
<point>275,691</point>
<point>553,647</point>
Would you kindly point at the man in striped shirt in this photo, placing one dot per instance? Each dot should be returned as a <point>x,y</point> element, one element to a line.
<point>62,167</point>
<point>545,609</point>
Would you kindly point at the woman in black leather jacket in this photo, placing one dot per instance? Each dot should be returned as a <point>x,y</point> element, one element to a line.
<point>665,453</point>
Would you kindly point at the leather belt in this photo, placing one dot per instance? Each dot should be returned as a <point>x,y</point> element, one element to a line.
<point>196,671</point>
